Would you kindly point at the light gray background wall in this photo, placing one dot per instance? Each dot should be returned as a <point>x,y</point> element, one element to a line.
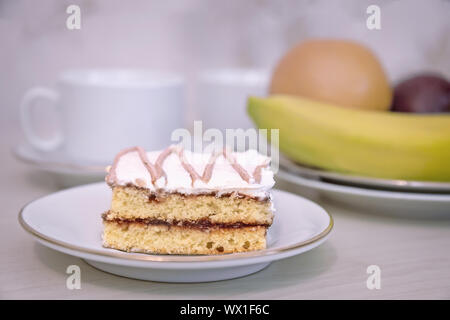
<point>191,35</point>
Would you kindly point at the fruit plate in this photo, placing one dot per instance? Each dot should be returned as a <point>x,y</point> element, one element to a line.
<point>69,221</point>
<point>365,182</point>
<point>392,203</point>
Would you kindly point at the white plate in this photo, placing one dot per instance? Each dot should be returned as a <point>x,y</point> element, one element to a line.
<point>69,221</point>
<point>68,171</point>
<point>412,204</point>
<point>364,182</point>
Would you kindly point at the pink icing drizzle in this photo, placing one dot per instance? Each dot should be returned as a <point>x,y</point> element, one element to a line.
<point>156,170</point>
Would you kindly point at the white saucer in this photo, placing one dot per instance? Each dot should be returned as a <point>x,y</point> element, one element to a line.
<point>69,221</point>
<point>409,204</point>
<point>69,171</point>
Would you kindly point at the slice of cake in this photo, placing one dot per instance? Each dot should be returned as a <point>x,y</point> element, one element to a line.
<point>178,202</point>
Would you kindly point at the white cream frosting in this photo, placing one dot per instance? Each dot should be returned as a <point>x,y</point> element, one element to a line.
<point>224,179</point>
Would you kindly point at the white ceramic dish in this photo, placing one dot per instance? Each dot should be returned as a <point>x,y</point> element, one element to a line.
<point>69,221</point>
<point>421,205</point>
<point>68,171</point>
<point>364,182</point>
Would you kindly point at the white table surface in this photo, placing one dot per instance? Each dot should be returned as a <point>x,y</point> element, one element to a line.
<point>413,254</point>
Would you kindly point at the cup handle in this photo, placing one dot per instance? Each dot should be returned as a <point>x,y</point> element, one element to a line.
<point>26,121</point>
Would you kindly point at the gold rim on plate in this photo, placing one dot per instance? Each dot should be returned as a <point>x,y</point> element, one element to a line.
<point>171,258</point>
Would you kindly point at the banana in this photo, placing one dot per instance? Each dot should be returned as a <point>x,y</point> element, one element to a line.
<point>370,143</point>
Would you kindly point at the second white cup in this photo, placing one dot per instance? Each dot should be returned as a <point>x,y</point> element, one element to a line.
<point>221,96</point>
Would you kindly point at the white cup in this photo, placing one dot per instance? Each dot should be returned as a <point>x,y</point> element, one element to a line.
<point>104,111</point>
<point>221,97</point>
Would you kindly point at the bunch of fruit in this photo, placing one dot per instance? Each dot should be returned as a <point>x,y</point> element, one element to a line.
<point>336,110</point>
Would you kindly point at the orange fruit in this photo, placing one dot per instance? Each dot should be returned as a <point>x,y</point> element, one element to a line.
<point>341,72</point>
